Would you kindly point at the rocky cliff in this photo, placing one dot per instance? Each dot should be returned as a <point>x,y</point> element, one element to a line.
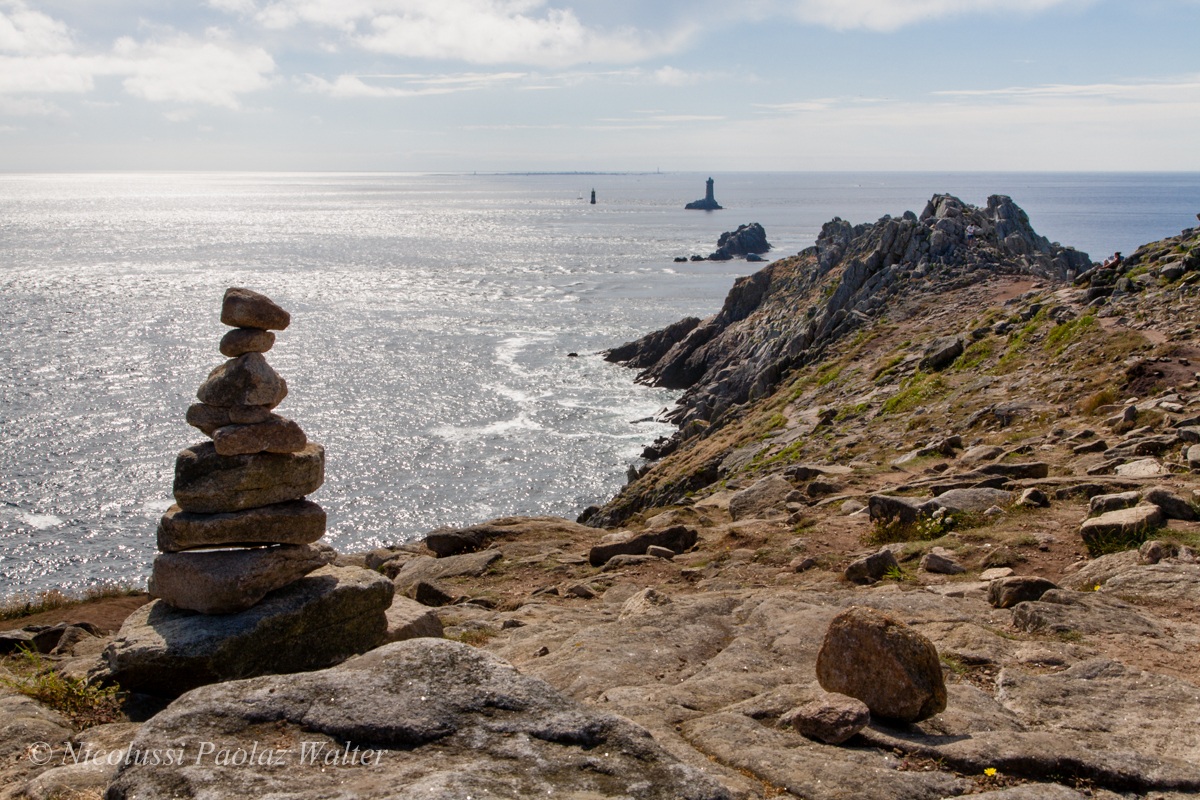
<point>947,544</point>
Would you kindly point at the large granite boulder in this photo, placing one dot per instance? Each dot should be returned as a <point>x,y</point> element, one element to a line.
<point>320,620</point>
<point>423,718</point>
<point>874,657</point>
<point>225,581</point>
<point>209,483</point>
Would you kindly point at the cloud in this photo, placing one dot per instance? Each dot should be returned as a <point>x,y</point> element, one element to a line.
<point>245,7</point>
<point>407,85</point>
<point>27,32</point>
<point>475,31</point>
<point>38,57</point>
<point>182,69</point>
<point>890,15</point>
<point>1159,91</point>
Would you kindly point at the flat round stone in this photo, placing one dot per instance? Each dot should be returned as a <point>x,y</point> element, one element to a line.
<point>207,482</point>
<point>209,418</point>
<point>293,522</point>
<point>225,581</point>
<point>240,341</point>
<point>275,435</point>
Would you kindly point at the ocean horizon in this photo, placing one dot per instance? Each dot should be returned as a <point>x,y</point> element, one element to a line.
<point>433,318</point>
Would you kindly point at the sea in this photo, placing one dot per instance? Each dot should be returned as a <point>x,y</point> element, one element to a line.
<point>445,339</point>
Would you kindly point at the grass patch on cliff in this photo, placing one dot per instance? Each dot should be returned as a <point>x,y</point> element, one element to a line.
<point>84,704</point>
<point>1019,342</point>
<point>885,370</point>
<point>976,353</point>
<point>1104,397</point>
<point>1065,334</point>
<point>915,390</point>
<point>828,374</point>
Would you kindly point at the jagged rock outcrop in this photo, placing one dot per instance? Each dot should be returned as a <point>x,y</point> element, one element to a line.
<point>746,240</point>
<point>786,315</point>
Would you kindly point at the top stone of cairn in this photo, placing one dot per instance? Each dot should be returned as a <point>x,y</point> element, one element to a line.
<point>243,308</point>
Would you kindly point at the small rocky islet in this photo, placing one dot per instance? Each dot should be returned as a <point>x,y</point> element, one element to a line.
<point>928,528</point>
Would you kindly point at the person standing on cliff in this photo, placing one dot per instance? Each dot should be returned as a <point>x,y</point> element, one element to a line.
<point>971,231</point>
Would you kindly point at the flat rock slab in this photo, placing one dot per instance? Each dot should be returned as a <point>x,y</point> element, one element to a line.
<point>424,569</point>
<point>244,308</point>
<point>1114,725</point>
<point>831,718</point>
<point>226,581</point>
<point>764,498</point>
<point>320,620</point>
<point>274,435</point>
<point>293,522</point>
<point>427,718</point>
<point>247,380</point>
<point>973,501</point>
<point>1124,523</point>
<point>452,541</point>
<point>1142,468</point>
<point>677,538</point>
<point>209,418</point>
<point>207,482</point>
<point>813,770</point>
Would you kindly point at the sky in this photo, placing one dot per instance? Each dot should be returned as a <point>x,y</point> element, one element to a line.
<point>599,85</point>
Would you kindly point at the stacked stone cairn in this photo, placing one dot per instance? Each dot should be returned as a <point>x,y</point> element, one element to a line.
<point>240,527</point>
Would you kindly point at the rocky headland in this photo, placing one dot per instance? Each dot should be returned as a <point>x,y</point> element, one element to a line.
<point>928,528</point>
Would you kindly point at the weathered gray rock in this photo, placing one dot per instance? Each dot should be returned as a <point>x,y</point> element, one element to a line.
<point>441,720</point>
<point>1193,458</point>
<point>243,308</point>
<point>677,538</point>
<point>1142,468</point>
<point>275,435</point>
<point>409,619</point>
<point>941,353</point>
<point>425,569</point>
<point>240,341</point>
<point>247,380</point>
<point>869,569</point>
<point>226,581</point>
<point>293,522</point>
<point>209,418</point>
<point>1033,469</point>
<point>319,620</point>
<point>1033,498</point>
<point>941,561</point>
<point>1130,524</point>
<point>1173,506</point>
<point>764,498</point>
<point>980,453</point>
<point>973,501</point>
<point>832,718</point>
<point>24,725</point>
<point>883,662</point>
<point>452,541</point>
<point>886,509</point>
<point>1103,503</point>
<point>85,768</point>
<point>1007,592</point>
<point>209,483</point>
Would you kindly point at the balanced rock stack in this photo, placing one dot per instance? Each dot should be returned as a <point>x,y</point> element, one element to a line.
<point>241,527</point>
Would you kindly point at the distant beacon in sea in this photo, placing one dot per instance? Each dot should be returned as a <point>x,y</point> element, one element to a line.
<point>709,203</point>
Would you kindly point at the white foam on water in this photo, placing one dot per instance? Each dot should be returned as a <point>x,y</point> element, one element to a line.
<point>41,522</point>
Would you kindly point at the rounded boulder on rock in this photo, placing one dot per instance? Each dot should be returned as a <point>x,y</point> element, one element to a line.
<point>764,498</point>
<point>881,661</point>
<point>243,308</point>
<point>247,380</point>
